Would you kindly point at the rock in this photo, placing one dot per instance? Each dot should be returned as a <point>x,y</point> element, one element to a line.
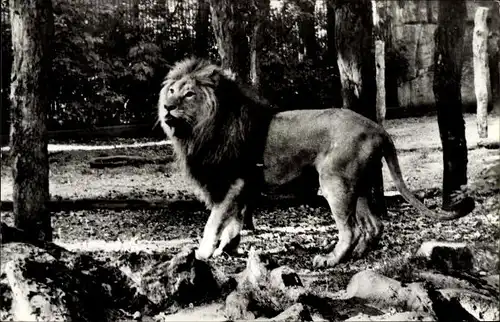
<point>493,281</point>
<point>34,299</point>
<point>483,308</point>
<point>401,316</point>
<point>486,258</point>
<point>6,296</point>
<point>446,256</point>
<point>236,307</point>
<point>55,284</point>
<point>263,289</point>
<point>283,277</point>
<point>387,292</point>
<point>185,280</point>
<point>337,309</point>
<point>208,312</point>
<point>296,312</point>
<point>485,286</point>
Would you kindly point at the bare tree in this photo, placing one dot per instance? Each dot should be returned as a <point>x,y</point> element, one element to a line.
<point>201,28</point>
<point>356,62</point>
<point>32,31</point>
<point>261,8</point>
<point>448,57</point>
<point>232,44</point>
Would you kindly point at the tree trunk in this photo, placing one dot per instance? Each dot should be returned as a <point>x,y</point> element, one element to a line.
<point>379,32</point>
<point>261,8</point>
<point>307,32</point>
<point>232,43</point>
<point>331,51</point>
<point>481,69</point>
<point>32,31</point>
<point>356,61</point>
<point>201,29</point>
<point>135,11</point>
<point>449,40</point>
<point>354,26</point>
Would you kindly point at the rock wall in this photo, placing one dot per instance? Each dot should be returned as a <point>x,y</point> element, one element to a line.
<point>412,24</point>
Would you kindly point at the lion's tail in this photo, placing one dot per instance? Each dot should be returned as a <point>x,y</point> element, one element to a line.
<point>390,156</point>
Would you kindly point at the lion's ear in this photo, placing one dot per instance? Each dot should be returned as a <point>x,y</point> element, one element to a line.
<point>213,75</point>
<point>209,76</point>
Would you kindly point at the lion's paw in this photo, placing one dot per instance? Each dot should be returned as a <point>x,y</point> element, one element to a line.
<point>320,261</point>
<point>217,252</point>
<point>204,253</point>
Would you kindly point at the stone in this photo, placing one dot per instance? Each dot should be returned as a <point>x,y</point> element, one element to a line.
<point>486,257</point>
<point>58,285</point>
<point>383,291</point>
<point>184,281</point>
<point>296,312</point>
<point>400,316</point>
<point>263,288</point>
<point>483,308</point>
<point>472,283</point>
<point>236,307</point>
<point>33,299</point>
<point>446,256</point>
<point>493,281</point>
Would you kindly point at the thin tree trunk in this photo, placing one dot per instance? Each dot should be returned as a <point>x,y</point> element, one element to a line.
<point>356,61</point>
<point>307,31</point>
<point>331,51</point>
<point>261,8</point>
<point>379,35</point>
<point>232,43</point>
<point>32,31</point>
<point>449,40</point>
<point>481,70</point>
<point>201,28</point>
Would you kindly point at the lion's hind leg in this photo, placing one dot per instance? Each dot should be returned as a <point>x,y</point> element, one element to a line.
<point>341,196</point>
<point>368,227</point>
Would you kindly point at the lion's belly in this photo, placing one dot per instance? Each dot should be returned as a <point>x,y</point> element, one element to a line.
<point>293,144</point>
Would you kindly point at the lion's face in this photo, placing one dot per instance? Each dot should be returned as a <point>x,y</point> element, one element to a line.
<point>182,105</point>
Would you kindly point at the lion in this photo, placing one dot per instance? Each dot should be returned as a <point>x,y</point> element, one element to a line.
<point>233,146</point>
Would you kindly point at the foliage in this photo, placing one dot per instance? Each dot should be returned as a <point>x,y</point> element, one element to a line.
<point>289,82</point>
<point>109,61</point>
<point>102,61</point>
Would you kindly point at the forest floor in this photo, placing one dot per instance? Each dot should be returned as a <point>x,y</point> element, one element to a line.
<point>293,235</point>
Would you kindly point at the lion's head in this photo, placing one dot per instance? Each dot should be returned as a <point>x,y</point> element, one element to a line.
<point>217,125</point>
<point>188,97</point>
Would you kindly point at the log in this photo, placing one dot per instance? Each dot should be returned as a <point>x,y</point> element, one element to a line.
<point>126,160</point>
<point>481,69</point>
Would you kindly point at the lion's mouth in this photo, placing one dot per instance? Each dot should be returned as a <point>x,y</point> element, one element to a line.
<point>170,119</point>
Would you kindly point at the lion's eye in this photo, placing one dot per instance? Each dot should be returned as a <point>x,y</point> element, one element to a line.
<point>189,94</point>
<point>171,90</point>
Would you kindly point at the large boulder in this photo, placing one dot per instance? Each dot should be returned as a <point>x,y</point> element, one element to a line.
<point>53,284</point>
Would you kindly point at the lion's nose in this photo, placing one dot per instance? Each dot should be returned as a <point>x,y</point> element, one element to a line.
<point>169,108</point>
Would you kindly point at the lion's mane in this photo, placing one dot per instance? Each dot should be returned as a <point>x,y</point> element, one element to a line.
<point>228,143</point>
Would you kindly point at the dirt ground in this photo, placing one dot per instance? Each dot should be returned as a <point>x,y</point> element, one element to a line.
<point>292,234</point>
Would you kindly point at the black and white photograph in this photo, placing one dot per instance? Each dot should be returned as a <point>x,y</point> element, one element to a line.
<point>250,160</point>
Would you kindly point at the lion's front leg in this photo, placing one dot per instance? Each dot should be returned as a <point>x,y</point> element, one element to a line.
<point>224,223</point>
